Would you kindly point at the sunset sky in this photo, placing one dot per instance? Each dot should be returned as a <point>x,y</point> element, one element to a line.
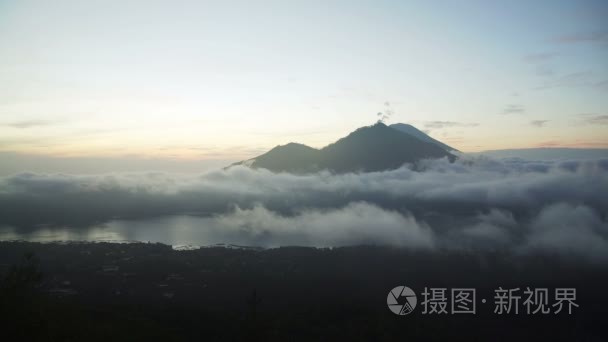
<point>231,79</point>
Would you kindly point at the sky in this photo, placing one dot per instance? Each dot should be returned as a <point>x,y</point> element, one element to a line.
<point>228,80</point>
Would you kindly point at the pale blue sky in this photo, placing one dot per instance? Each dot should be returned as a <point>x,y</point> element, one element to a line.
<point>230,79</point>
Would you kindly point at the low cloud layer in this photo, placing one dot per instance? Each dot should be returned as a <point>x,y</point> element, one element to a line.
<point>476,203</point>
<point>355,224</point>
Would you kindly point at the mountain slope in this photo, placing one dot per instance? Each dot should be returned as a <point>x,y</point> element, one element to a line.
<point>377,148</point>
<point>293,157</point>
<point>415,132</point>
<point>368,149</point>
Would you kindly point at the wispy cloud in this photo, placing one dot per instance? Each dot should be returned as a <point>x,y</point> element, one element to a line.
<point>602,84</point>
<point>584,37</point>
<point>594,119</point>
<point>540,57</point>
<point>590,144</point>
<point>541,61</point>
<point>550,143</point>
<point>514,109</point>
<point>30,123</point>
<point>544,71</point>
<point>214,151</point>
<point>539,123</point>
<point>575,79</point>
<point>448,124</point>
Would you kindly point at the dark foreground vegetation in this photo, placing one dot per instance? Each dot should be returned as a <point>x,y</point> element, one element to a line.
<point>149,292</point>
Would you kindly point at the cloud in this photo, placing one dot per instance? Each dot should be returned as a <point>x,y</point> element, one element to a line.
<point>584,37</point>
<point>448,124</point>
<point>569,230</point>
<point>513,109</point>
<point>472,204</point>
<point>540,57</point>
<point>490,231</point>
<point>550,143</point>
<point>538,123</point>
<point>347,226</point>
<point>540,61</point>
<point>602,84</point>
<point>576,79</point>
<point>591,144</point>
<point>544,71</point>
<point>595,119</point>
<point>30,123</point>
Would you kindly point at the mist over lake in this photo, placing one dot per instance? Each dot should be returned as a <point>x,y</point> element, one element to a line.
<point>476,203</point>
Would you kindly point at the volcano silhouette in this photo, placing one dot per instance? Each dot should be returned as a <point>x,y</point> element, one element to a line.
<point>367,149</point>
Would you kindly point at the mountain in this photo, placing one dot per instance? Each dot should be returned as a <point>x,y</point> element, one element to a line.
<point>413,131</point>
<point>293,157</point>
<point>377,148</point>
<point>548,153</point>
<point>368,149</point>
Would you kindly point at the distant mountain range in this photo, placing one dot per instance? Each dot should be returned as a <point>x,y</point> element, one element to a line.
<point>547,153</point>
<point>367,149</point>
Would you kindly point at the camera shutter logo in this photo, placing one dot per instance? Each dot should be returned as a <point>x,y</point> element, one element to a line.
<point>401,300</point>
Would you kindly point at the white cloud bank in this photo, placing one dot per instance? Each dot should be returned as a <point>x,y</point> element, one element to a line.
<point>474,204</point>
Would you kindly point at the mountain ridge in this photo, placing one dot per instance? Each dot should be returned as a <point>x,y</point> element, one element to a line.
<point>411,130</point>
<point>367,149</point>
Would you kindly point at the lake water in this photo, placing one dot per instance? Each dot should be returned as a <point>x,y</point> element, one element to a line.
<point>180,230</point>
<point>259,230</point>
